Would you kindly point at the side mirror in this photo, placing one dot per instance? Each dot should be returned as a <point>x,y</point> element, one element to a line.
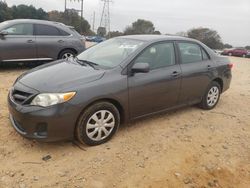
<point>140,68</point>
<point>3,33</point>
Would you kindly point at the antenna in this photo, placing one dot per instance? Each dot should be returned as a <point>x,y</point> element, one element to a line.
<point>105,18</point>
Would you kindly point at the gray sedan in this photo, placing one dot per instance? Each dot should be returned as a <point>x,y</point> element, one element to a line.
<point>119,80</point>
<point>36,40</point>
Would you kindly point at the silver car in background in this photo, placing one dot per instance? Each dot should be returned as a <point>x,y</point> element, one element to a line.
<point>27,40</point>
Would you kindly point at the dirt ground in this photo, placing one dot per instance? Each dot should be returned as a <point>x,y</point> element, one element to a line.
<point>185,148</point>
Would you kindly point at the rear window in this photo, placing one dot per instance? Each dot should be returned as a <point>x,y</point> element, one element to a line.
<point>46,30</point>
<point>75,32</point>
<point>64,33</point>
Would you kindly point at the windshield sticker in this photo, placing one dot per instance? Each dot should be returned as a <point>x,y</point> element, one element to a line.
<point>152,50</point>
<point>127,46</point>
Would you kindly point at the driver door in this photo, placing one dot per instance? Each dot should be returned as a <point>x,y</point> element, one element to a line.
<point>158,89</point>
<point>19,44</point>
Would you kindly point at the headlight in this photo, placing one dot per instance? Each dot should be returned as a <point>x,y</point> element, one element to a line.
<point>49,99</point>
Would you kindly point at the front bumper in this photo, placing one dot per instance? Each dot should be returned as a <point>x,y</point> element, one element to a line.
<point>44,124</point>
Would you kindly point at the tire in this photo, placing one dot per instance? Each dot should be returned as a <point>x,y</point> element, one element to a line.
<point>244,55</point>
<point>214,90</point>
<point>91,132</point>
<point>230,54</point>
<point>66,54</point>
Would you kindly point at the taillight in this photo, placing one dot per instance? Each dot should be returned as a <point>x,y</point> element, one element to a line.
<point>83,40</point>
<point>230,65</point>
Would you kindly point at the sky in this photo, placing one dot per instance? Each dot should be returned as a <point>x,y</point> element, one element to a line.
<point>230,18</point>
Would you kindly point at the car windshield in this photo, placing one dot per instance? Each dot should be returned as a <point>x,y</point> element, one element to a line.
<point>110,53</point>
<point>3,24</point>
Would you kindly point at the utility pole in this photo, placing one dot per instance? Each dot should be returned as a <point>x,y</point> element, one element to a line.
<point>108,18</point>
<point>81,17</point>
<point>93,24</point>
<point>81,26</point>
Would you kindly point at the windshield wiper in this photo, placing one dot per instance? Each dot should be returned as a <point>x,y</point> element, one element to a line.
<point>92,64</point>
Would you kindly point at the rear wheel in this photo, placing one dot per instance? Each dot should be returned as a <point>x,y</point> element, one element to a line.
<point>98,124</point>
<point>211,97</point>
<point>65,54</point>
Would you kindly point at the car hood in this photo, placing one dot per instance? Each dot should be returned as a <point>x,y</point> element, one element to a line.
<point>59,76</point>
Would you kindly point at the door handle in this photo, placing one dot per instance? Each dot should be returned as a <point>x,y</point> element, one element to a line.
<point>30,41</point>
<point>209,67</point>
<point>176,74</point>
<point>61,41</point>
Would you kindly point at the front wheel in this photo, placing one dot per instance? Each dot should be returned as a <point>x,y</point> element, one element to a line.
<point>211,97</point>
<point>65,54</point>
<point>98,124</point>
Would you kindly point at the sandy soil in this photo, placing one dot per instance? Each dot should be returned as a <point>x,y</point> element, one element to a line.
<point>185,148</point>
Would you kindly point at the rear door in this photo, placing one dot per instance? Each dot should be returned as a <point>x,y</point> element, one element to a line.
<point>196,69</point>
<point>240,52</point>
<point>158,89</point>
<point>237,52</point>
<point>19,44</point>
<point>50,41</point>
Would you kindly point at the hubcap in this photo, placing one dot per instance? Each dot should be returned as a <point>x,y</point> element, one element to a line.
<point>213,96</point>
<point>67,55</point>
<point>100,125</point>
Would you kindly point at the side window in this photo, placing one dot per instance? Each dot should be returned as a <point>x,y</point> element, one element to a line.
<point>158,55</point>
<point>46,30</point>
<point>204,55</point>
<point>20,29</point>
<point>63,33</point>
<point>190,52</point>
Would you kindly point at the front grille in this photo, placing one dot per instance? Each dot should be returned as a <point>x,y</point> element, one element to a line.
<point>21,97</point>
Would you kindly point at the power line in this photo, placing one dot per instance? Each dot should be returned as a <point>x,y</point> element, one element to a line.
<point>105,18</point>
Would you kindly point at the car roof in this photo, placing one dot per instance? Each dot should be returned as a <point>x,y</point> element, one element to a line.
<point>155,38</point>
<point>149,39</point>
<point>16,21</point>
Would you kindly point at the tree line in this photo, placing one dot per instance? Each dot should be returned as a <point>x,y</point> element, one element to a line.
<point>208,36</point>
<point>69,17</point>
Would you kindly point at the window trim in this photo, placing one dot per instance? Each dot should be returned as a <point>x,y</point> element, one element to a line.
<point>202,49</point>
<point>33,34</point>
<point>131,64</point>
<point>191,42</point>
